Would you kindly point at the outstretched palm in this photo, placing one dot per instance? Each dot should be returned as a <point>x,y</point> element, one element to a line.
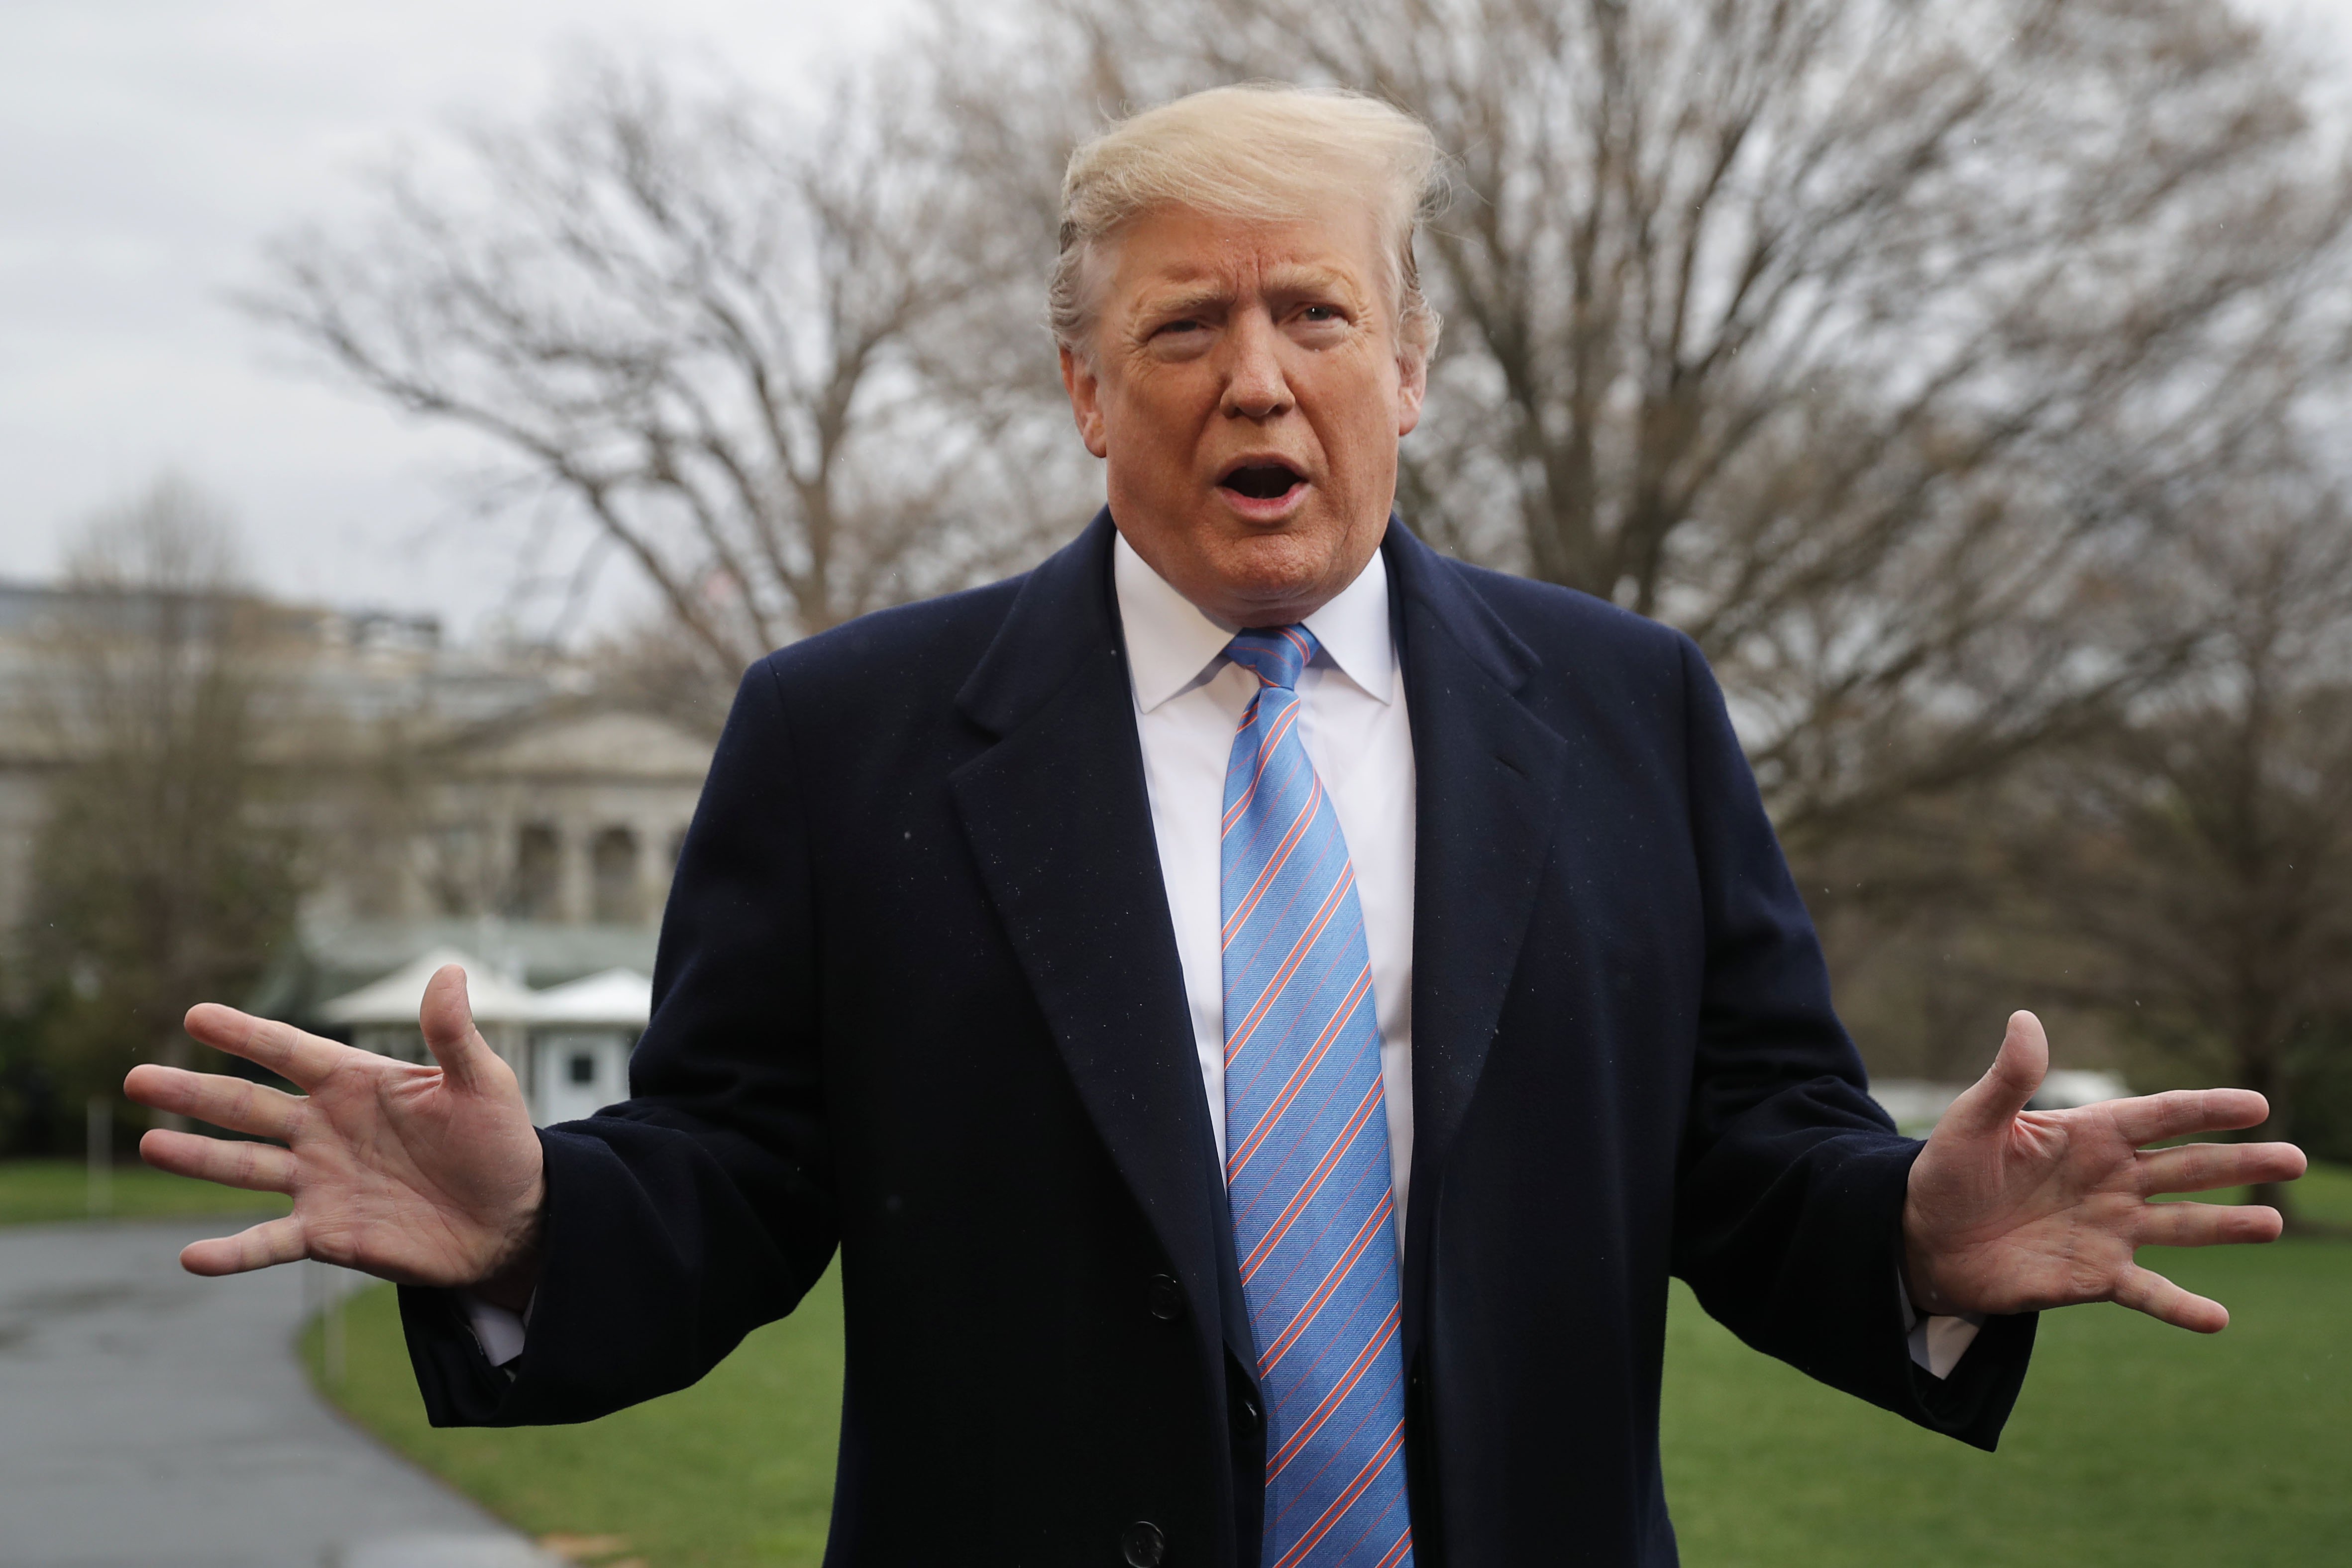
<point>2012,1210</point>
<point>428,1175</point>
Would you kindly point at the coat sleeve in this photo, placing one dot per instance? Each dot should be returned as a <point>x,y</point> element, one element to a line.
<point>702,1207</point>
<point>1789,1205</point>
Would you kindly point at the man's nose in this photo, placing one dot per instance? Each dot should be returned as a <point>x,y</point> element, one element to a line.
<point>1255,387</point>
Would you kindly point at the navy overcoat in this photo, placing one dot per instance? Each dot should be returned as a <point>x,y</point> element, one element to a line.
<point>919,1001</point>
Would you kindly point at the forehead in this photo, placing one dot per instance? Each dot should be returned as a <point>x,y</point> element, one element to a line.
<point>1185,252</point>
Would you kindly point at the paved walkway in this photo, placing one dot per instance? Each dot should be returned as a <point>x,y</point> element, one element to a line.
<point>151,1419</point>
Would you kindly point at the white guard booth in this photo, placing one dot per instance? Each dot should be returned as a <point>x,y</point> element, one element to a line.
<point>580,1035</point>
<point>569,1045</point>
<point>382,1015</point>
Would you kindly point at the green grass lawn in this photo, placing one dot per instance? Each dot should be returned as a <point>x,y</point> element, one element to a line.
<point>2134,1443</point>
<point>736,1470</point>
<point>35,1192</point>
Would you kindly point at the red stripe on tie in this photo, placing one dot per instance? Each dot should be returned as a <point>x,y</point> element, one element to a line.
<point>1338,1272</point>
<point>1337,1397</point>
<point>1352,1549</point>
<point>1332,904</point>
<point>1298,831</point>
<point>1282,723</point>
<point>1342,1450</point>
<point>1397,1552</point>
<point>1345,1501</point>
<point>1306,1070</point>
<point>1315,1180</point>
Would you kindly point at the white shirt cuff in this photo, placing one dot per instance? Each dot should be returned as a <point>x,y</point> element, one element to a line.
<point>1937,1344</point>
<point>499,1332</point>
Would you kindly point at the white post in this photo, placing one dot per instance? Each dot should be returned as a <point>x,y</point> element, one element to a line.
<point>653,870</point>
<point>319,1294</point>
<point>98,1134</point>
<point>331,1339</point>
<point>575,876</point>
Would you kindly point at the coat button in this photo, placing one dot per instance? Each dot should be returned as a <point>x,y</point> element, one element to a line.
<point>1142,1544</point>
<point>1167,1297</point>
<point>1247,1417</point>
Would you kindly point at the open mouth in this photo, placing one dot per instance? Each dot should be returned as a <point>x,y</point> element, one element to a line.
<point>1262,481</point>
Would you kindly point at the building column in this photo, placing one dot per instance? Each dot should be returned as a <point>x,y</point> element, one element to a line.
<point>576,876</point>
<point>653,869</point>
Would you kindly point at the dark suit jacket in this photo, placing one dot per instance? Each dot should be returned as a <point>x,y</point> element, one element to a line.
<point>918,997</point>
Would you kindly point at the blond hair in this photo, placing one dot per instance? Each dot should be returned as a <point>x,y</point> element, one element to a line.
<point>1260,151</point>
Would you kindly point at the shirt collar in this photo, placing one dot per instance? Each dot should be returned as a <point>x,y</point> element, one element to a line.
<point>1172,644</point>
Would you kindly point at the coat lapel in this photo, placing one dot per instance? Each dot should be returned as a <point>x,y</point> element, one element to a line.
<point>1060,826</point>
<point>1488,777</point>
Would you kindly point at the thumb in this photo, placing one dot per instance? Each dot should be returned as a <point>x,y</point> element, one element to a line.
<point>1992,1102</point>
<point>448,1025</point>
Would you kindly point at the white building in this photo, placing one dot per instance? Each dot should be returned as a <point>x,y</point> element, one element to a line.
<point>569,1045</point>
<point>489,801</point>
<point>581,1037</point>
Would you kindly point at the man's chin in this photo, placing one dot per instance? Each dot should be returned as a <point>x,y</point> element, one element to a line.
<point>1244,572</point>
<point>1276,578</point>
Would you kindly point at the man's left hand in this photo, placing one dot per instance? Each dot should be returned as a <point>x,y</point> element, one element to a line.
<point>2012,1210</point>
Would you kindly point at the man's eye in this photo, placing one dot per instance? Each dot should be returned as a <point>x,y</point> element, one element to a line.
<point>1320,313</point>
<point>1187,325</point>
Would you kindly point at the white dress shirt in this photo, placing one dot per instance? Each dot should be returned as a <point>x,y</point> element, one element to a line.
<point>1189,700</point>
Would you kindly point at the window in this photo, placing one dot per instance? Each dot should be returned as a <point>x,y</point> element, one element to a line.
<point>582,1068</point>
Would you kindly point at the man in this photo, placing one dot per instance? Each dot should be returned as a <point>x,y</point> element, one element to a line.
<point>1261,1008</point>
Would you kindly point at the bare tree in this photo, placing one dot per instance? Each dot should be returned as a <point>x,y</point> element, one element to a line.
<point>1864,339</point>
<point>720,330</point>
<point>656,666</point>
<point>2195,863</point>
<point>162,875</point>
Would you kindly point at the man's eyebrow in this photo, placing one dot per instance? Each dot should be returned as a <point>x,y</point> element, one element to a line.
<point>1184,299</point>
<point>1298,277</point>
<point>1306,277</point>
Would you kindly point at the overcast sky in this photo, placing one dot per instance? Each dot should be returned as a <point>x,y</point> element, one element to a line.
<point>147,147</point>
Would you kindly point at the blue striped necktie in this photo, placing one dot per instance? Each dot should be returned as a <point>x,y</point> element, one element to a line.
<point>1306,1142</point>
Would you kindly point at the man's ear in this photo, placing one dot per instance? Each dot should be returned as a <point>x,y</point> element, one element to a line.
<point>1412,386</point>
<point>1085,401</point>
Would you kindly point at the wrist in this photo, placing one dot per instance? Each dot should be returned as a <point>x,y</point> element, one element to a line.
<point>1919,1281</point>
<point>514,1276</point>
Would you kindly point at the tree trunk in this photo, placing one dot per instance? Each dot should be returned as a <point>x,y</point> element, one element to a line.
<point>2258,1070</point>
<point>174,1050</point>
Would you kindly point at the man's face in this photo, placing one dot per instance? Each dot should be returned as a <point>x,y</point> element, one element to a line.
<point>1246,393</point>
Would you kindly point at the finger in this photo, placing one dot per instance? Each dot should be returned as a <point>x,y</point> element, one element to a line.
<point>303,1058</point>
<point>257,1167</point>
<point>2145,1290</point>
<point>1992,1102</point>
<point>224,1101</point>
<point>2184,1112</point>
<point>448,1023</point>
<point>272,1241</point>
<point>2201,1167</point>
<point>2206,1224</point>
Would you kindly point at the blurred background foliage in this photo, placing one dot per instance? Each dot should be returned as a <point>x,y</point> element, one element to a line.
<point>1967,378</point>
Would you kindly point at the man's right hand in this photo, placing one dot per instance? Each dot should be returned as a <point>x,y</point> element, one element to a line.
<point>426,1176</point>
